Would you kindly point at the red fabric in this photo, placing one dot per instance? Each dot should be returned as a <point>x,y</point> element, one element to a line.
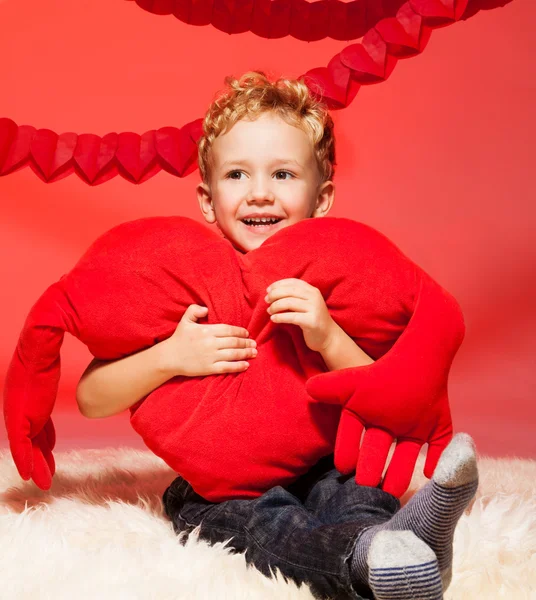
<point>137,158</point>
<point>398,396</point>
<point>237,435</point>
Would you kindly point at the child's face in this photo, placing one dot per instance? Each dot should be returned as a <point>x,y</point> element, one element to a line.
<point>262,166</point>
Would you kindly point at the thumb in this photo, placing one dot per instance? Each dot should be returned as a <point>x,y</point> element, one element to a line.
<point>335,387</point>
<point>194,312</point>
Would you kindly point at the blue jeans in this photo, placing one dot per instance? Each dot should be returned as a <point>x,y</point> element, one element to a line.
<point>307,530</point>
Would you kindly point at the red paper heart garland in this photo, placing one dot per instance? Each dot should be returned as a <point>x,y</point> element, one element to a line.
<point>273,19</point>
<point>137,158</point>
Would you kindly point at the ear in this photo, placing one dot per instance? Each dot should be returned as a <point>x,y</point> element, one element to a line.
<point>204,198</point>
<point>325,199</point>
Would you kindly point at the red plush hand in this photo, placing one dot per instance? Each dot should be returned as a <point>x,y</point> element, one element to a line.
<point>30,430</point>
<point>33,456</point>
<point>402,395</point>
<point>30,391</point>
<point>306,307</point>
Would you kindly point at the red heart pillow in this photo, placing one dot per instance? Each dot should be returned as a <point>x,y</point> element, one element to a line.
<point>231,435</point>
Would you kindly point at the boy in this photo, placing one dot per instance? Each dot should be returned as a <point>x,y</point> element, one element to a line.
<point>344,540</point>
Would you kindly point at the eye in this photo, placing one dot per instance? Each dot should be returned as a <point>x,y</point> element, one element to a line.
<point>231,173</point>
<point>288,173</point>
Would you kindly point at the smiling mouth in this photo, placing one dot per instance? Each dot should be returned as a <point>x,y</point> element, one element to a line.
<point>262,227</point>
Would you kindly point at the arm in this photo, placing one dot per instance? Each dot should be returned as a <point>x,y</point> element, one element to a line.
<point>309,312</point>
<point>403,395</point>
<point>110,387</point>
<point>342,352</point>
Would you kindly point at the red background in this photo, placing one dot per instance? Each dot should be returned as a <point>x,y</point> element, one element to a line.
<point>438,158</point>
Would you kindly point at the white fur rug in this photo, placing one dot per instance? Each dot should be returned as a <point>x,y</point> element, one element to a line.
<point>100,532</point>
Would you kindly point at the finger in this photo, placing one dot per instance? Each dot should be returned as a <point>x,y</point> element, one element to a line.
<point>41,471</point>
<point>232,343</point>
<point>291,318</point>
<point>435,449</point>
<point>46,446</point>
<point>333,387</point>
<point>280,282</point>
<point>373,456</point>
<point>347,442</point>
<point>290,303</point>
<point>289,289</point>
<point>21,450</point>
<point>50,433</point>
<point>222,330</point>
<point>49,459</point>
<point>401,467</point>
<point>439,437</point>
<point>437,442</point>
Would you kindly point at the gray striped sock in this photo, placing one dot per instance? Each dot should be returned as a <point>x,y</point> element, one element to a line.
<point>402,567</point>
<point>433,512</point>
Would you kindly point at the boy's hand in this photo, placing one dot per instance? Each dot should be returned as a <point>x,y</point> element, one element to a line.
<point>305,307</point>
<point>196,350</point>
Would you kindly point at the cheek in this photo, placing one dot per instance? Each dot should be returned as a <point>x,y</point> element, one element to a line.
<point>298,199</point>
<point>230,194</point>
<point>226,205</point>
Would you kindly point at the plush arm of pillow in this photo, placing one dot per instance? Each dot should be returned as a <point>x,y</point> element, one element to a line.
<point>402,395</point>
<point>119,298</point>
<point>30,391</point>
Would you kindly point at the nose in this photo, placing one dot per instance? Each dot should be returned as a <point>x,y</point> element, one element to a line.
<point>260,191</point>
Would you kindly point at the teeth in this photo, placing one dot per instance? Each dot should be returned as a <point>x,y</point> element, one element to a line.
<point>262,220</point>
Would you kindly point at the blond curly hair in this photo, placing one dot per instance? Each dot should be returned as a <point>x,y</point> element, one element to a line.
<point>252,95</point>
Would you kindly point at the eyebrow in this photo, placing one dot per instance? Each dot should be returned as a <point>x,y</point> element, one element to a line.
<point>280,161</point>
